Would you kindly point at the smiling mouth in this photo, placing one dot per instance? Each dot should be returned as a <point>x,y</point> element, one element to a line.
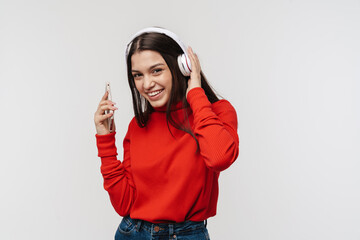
<point>153,94</point>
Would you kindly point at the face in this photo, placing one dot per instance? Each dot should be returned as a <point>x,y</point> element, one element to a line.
<point>152,77</point>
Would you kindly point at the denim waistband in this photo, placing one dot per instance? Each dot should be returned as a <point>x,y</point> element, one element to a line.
<point>166,228</point>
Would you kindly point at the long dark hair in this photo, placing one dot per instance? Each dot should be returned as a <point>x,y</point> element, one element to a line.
<point>169,50</point>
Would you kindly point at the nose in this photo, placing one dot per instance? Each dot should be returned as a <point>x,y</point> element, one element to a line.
<point>148,82</point>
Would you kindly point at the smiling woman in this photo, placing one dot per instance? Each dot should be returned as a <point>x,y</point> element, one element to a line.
<point>181,138</point>
<point>153,81</point>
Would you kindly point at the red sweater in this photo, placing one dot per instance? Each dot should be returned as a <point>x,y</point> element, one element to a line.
<point>163,178</point>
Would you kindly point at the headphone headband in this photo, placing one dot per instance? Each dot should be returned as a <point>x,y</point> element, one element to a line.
<point>183,59</point>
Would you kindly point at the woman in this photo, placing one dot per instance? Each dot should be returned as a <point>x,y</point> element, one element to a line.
<point>180,139</point>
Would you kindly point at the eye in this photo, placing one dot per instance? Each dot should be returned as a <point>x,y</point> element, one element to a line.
<point>157,71</point>
<point>137,76</point>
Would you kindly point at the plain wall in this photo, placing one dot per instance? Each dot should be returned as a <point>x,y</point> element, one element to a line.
<point>290,68</point>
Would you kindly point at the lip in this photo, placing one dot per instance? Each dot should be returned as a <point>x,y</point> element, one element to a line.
<point>154,91</point>
<point>157,96</point>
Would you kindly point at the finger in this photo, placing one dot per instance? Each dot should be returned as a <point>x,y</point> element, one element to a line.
<point>107,107</point>
<point>195,63</point>
<point>105,95</point>
<point>102,108</point>
<point>107,102</point>
<point>104,103</point>
<point>190,53</point>
<point>102,118</point>
<point>191,57</point>
<point>194,56</point>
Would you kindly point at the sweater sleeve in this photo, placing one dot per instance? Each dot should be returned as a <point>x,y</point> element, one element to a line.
<point>117,175</point>
<point>215,127</point>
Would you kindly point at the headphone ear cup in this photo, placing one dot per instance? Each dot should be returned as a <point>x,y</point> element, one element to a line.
<point>184,65</point>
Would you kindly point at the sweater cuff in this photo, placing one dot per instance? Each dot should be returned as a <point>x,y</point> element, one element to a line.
<point>106,145</point>
<point>197,99</point>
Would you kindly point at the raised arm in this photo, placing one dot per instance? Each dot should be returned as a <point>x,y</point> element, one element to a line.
<point>215,127</point>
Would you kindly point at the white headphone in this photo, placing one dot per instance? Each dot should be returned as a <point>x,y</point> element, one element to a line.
<point>183,59</point>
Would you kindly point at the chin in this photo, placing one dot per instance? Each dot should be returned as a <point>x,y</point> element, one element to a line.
<point>157,104</point>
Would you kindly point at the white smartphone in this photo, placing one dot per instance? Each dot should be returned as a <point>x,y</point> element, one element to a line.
<point>110,119</point>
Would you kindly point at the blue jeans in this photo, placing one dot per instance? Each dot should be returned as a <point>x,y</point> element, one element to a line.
<point>132,229</point>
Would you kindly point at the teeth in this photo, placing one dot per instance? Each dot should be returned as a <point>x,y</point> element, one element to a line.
<point>154,93</point>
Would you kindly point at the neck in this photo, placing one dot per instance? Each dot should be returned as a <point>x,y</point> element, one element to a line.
<point>174,107</point>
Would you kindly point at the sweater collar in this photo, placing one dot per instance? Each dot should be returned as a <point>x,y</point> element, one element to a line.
<point>174,107</point>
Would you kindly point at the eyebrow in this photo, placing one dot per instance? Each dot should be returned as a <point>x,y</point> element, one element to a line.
<point>153,66</point>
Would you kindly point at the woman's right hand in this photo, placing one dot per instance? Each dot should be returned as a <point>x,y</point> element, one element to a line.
<point>100,118</point>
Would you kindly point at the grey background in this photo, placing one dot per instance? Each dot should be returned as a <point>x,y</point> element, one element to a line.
<point>290,68</point>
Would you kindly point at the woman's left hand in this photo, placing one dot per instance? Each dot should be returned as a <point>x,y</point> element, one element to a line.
<point>195,77</point>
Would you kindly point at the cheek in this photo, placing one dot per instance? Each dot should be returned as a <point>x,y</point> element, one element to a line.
<point>168,81</point>
<point>138,85</point>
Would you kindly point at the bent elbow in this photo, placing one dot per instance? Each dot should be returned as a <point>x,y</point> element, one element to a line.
<point>122,203</point>
<point>224,160</point>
